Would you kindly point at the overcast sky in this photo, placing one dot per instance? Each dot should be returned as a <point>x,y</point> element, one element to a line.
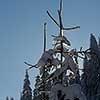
<point>21,35</point>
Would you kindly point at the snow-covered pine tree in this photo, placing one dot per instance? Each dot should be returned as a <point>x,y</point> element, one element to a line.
<point>98,73</point>
<point>27,91</point>
<point>40,88</point>
<point>91,76</point>
<point>36,90</point>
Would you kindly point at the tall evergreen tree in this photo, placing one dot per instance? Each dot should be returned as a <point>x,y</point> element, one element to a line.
<point>91,74</point>
<point>27,91</point>
<point>98,72</point>
<point>7,98</point>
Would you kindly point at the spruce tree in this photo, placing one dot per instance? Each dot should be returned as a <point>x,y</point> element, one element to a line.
<point>27,91</point>
<point>7,98</point>
<point>98,73</point>
<point>91,74</point>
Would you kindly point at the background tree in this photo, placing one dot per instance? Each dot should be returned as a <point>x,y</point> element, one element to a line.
<point>11,98</point>
<point>91,73</point>
<point>7,98</point>
<point>27,91</point>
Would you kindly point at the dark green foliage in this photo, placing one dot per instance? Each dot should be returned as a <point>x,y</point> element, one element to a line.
<point>27,91</point>
<point>91,74</point>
